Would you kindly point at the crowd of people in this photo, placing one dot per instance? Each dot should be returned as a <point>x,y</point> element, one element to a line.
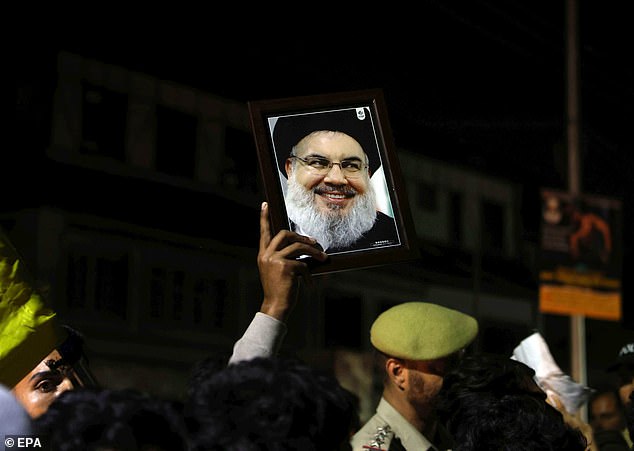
<point>438,394</point>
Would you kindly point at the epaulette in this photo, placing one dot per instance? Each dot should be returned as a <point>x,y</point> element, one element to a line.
<point>381,436</point>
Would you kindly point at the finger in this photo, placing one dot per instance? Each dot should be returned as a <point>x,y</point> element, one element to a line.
<point>555,401</point>
<point>286,238</point>
<point>265,227</point>
<point>296,250</point>
<point>300,270</point>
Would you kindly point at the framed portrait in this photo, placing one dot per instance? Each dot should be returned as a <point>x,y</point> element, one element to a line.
<point>330,171</point>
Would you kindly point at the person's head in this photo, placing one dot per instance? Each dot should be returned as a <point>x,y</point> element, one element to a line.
<point>623,368</point>
<point>418,343</point>
<point>268,403</point>
<point>61,370</point>
<point>328,159</point>
<point>201,372</point>
<point>492,402</point>
<point>605,410</point>
<point>39,359</point>
<point>113,420</point>
<point>329,193</point>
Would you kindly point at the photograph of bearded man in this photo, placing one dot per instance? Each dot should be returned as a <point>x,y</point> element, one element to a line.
<point>328,162</point>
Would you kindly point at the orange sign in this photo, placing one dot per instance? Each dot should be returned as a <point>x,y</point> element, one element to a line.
<point>581,256</point>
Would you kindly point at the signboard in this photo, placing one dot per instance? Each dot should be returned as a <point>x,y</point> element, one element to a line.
<point>581,255</point>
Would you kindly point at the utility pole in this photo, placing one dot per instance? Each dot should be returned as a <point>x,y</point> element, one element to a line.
<point>577,322</point>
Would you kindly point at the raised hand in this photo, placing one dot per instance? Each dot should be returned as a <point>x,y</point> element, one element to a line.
<point>280,269</point>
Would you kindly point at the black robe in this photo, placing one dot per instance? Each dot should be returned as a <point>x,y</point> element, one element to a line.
<point>383,233</point>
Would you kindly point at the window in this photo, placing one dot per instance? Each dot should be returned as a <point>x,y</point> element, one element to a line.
<point>104,115</point>
<point>167,294</point>
<point>210,302</point>
<point>177,297</point>
<point>111,286</point>
<point>98,284</point>
<point>175,142</point>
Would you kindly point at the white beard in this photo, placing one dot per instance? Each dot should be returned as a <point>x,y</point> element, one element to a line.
<point>332,228</point>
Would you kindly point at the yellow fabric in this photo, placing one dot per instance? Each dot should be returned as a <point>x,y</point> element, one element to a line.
<point>28,329</point>
<point>626,435</point>
<point>422,331</point>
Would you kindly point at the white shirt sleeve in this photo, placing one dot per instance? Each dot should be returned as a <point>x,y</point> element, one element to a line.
<point>263,338</point>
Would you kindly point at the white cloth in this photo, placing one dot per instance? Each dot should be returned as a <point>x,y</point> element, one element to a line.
<point>13,418</point>
<point>263,338</point>
<point>534,352</point>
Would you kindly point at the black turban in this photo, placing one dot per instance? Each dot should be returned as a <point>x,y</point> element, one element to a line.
<point>289,130</point>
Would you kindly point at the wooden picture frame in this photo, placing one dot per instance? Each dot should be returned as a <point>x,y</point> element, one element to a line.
<point>279,124</point>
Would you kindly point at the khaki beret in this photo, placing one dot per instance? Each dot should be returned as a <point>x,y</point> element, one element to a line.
<point>422,331</point>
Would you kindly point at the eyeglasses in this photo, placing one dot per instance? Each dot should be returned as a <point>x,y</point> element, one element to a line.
<point>321,166</point>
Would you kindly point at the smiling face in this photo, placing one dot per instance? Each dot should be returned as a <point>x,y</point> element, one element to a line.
<point>335,205</point>
<point>334,189</point>
<point>38,389</point>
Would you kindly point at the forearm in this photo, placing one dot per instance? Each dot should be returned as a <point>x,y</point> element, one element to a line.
<point>263,338</point>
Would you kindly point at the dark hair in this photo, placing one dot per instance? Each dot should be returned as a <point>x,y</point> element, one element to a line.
<point>202,371</point>
<point>624,373</point>
<point>492,402</point>
<point>89,418</point>
<point>268,404</point>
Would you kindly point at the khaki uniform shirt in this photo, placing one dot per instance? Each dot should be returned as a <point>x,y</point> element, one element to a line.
<point>385,428</point>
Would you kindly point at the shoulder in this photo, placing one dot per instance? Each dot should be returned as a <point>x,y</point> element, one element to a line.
<point>384,222</point>
<point>382,218</point>
<point>383,231</point>
<point>376,434</point>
